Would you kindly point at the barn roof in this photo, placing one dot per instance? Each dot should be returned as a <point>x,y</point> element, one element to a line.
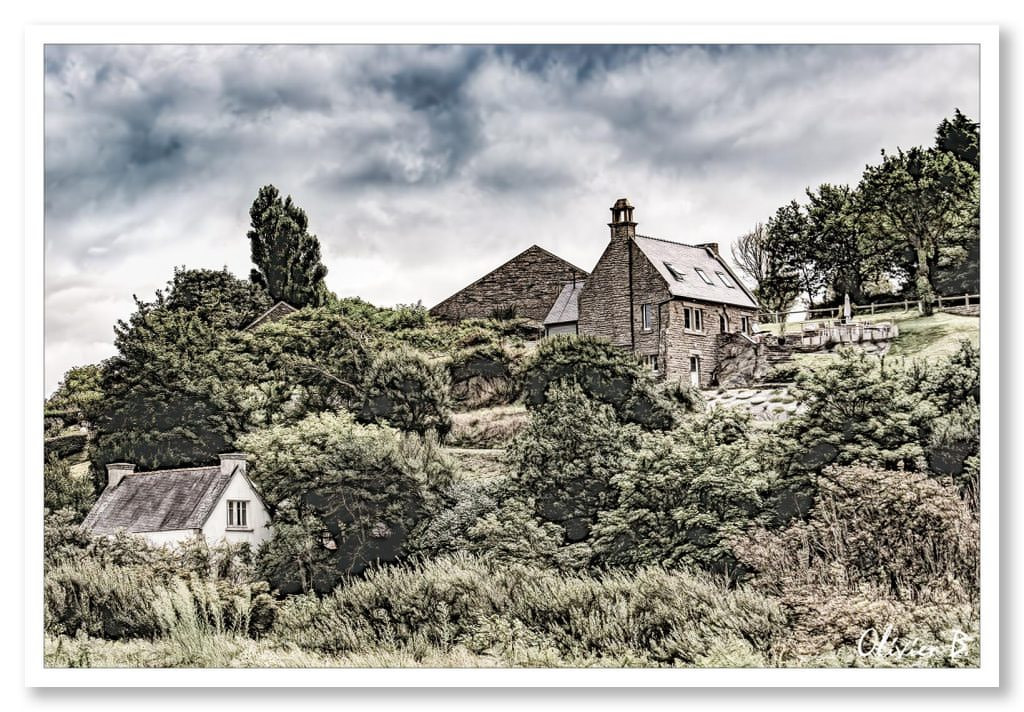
<point>567,307</point>
<point>278,311</point>
<point>162,500</point>
<point>695,272</point>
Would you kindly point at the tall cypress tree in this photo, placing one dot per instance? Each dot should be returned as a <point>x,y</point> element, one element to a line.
<point>286,256</point>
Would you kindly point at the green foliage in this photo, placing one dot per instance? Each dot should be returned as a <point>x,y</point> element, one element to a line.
<point>77,395</point>
<point>65,445</point>
<point>850,412</point>
<point>356,490</point>
<point>286,256</point>
<point>62,490</point>
<point>566,458</point>
<point>175,392</point>
<point>928,201</point>
<point>314,361</point>
<point>405,389</point>
<point>525,613</point>
<point>604,372</point>
<point>683,495</point>
<point>484,375</point>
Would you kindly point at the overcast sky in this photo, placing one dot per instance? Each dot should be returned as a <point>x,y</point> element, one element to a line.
<point>422,168</point>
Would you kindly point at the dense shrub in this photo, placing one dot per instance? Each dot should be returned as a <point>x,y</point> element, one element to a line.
<point>683,495</point>
<point>356,489</point>
<point>604,372</point>
<point>483,375</point>
<point>65,445</point>
<point>405,389</point>
<point>565,458</point>
<point>63,490</point>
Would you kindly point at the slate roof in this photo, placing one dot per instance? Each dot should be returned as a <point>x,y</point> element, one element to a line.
<point>278,311</point>
<point>567,307</point>
<point>162,500</point>
<point>685,259</point>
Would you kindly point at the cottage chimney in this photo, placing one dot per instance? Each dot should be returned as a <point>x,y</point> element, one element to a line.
<point>230,460</point>
<point>117,471</point>
<point>713,246</point>
<point>622,224</point>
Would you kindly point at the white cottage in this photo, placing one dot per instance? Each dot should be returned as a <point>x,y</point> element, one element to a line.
<point>218,502</point>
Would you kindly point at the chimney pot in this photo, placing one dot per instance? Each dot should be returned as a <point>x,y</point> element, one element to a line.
<point>117,471</point>
<point>230,460</point>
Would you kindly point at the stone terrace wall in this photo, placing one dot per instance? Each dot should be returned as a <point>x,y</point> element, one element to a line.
<point>529,282</point>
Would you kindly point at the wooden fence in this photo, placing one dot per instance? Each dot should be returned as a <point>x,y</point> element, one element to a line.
<point>861,309</point>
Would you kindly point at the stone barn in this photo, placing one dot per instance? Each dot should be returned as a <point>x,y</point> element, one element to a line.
<point>525,286</point>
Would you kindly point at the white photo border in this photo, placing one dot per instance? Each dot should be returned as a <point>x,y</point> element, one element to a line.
<point>985,36</point>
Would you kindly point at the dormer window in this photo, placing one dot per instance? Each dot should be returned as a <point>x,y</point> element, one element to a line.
<point>704,275</point>
<point>725,280</point>
<point>674,272</point>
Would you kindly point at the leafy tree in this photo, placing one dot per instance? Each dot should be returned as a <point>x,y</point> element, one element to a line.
<point>176,392</point>
<point>604,372</point>
<point>286,256</point>
<point>405,389</point>
<point>927,200</point>
<point>314,361</point>
<point>566,457</point>
<point>765,258</point>
<point>961,137</point>
<point>685,495</point>
<point>355,492</point>
<point>63,490</point>
<point>788,236</point>
<point>842,250</point>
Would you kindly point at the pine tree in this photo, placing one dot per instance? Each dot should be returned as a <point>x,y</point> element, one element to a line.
<point>286,256</point>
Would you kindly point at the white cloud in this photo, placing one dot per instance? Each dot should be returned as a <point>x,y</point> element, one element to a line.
<point>422,168</point>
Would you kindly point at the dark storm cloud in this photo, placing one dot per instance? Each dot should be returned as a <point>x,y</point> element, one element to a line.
<point>467,154</point>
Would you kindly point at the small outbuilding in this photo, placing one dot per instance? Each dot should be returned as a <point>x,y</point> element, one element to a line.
<point>217,502</point>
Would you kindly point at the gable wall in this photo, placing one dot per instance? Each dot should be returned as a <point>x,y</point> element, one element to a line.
<point>531,282</point>
<point>606,308</point>
<point>215,529</point>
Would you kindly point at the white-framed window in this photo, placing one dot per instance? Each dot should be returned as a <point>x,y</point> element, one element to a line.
<point>725,280</point>
<point>695,371</point>
<point>646,316</point>
<point>693,319</point>
<point>704,275</point>
<point>745,324</point>
<point>650,361</point>
<point>238,514</point>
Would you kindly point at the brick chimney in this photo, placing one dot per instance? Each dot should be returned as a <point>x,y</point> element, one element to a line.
<point>230,460</point>
<point>622,224</point>
<point>713,246</point>
<point>117,471</point>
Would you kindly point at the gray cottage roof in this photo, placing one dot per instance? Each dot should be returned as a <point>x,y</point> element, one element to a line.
<point>678,264</point>
<point>163,500</point>
<point>278,311</point>
<point>567,306</point>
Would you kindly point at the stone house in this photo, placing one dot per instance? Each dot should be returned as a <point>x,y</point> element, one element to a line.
<point>526,286</point>
<point>218,503</point>
<point>679,307</point>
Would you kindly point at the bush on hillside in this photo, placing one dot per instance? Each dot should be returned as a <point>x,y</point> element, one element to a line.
<point>604,372</point>
<point>405,389</point>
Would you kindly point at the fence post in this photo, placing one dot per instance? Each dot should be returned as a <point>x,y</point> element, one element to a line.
<point>940,300</point>
<point>906,305</point>
<point>967,300</point>
<point>872,309</point>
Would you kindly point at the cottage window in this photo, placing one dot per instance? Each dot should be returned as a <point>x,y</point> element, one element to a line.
<point>650,361</point>
<point>745,324</point>
<point>704,276</point>
<point>693,319</point>
<point>645,313</point>
<point>695,371</point>
<point>238,515</point>
<point>675,273</point>
<point>725,280</point>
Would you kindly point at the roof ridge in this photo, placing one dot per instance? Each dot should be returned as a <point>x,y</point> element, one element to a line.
<point>671,242</point>
<point>174,469</point>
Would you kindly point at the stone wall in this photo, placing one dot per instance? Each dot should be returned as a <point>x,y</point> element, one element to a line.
<point>604,299</point>
<point>529,283</point>
<point>679,344</point>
